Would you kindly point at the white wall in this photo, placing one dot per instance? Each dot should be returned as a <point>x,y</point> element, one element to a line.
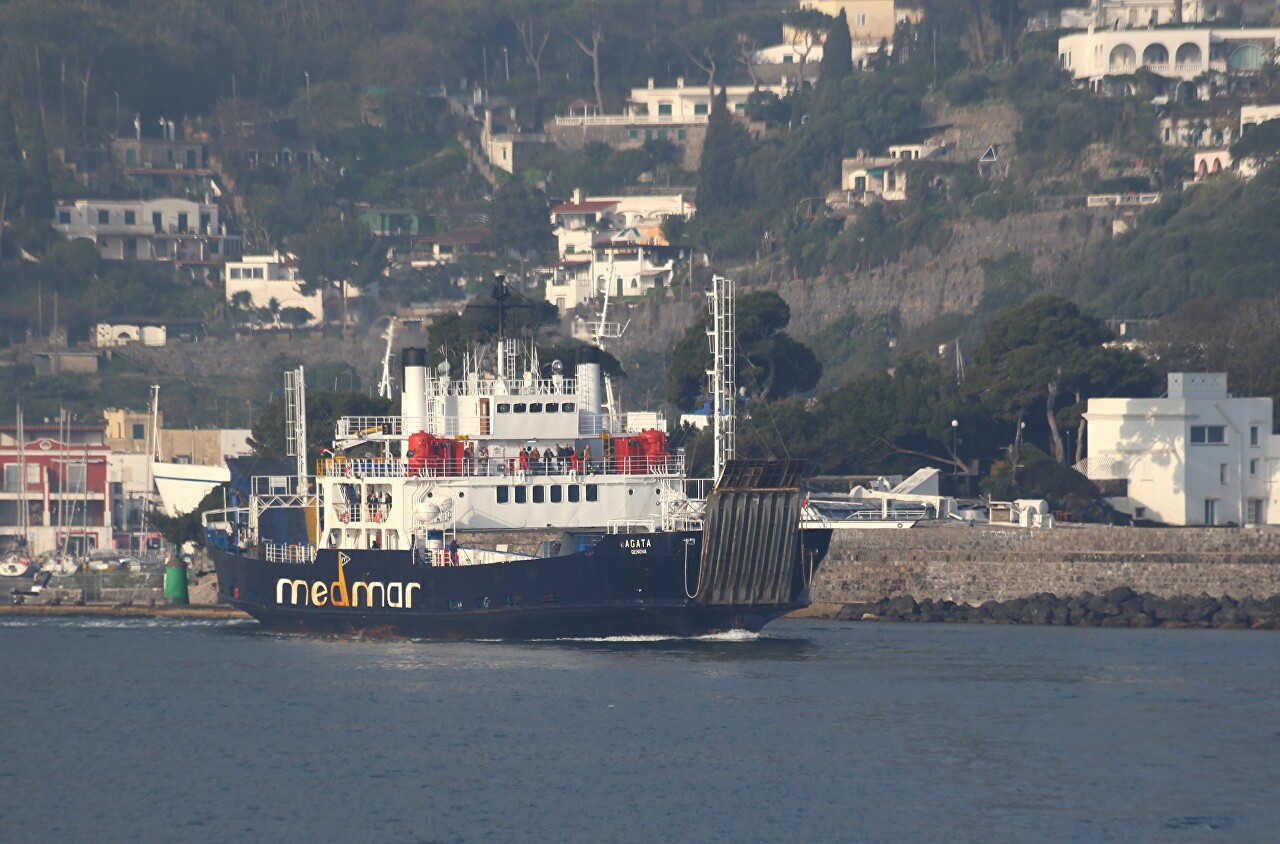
<point>267,277</point>
<point>1150,443</point>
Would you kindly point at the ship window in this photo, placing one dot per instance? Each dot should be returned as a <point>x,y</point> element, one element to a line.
<point>557,494</point>
<point>536,407</point>
<point>567,407</point>
<point>575,493</point>
<point>504,408</point>
<point>522,494</point>
<point>504,494</point>
<point>539,494</point>
<point>513,600</point>
<point>593,492</point>
<point>552,407</point>
<point>518,407</point>
<point>551,598</point>
<point>455,604</point>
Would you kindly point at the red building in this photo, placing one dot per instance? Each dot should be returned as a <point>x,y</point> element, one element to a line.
<point>58,475</point>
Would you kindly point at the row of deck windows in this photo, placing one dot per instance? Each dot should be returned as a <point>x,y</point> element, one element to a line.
<point>540,494</point>
<point>537,407</point>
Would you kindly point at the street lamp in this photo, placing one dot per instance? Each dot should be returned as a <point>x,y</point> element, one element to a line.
<point>307,75</point>
<point>955,454</point>
<point>506,64</point>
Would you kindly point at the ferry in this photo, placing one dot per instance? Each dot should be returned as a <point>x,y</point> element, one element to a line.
<point>513,500</point>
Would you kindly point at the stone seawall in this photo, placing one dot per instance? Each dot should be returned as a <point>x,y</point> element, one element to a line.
<point>980,564</point>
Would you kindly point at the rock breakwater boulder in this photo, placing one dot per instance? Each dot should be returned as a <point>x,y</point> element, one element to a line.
<point>1120,607</point>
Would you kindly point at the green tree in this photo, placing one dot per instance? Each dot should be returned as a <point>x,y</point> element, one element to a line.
<point>1044,349</point>
<point>837,58</point>
<point>520,221</point>
<point>1261,142</point>
<point>770,363</point>
<point>324,409</point>
<point>339,249</point>
<point>720,188</point>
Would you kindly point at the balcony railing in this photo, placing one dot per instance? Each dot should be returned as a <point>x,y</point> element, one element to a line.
<point>629,120</point>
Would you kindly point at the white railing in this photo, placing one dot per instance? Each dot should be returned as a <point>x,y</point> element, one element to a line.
<point>350,512</point>
<point>366,426</point>
<point>288,553</point>
<point>1103,200</point>
<point>514,387</point>
<point>632,526</point>
<point>505,464</point>
<point>629,120</point>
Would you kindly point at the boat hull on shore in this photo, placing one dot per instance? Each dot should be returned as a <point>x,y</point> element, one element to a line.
<point>623,585</point>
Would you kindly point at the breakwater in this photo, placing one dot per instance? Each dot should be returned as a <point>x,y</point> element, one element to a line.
<point>1072,575</point>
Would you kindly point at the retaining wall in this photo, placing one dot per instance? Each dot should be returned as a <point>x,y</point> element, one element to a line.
<point>973,565</point>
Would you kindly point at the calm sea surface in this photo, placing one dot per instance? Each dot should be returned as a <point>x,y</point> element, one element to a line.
<point>168,731</point>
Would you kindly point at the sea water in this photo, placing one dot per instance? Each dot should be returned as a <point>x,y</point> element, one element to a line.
<point>161,731</point>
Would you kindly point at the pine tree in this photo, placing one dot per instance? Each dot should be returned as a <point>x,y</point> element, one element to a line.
<point>719,187</point>
<point>837,58</point>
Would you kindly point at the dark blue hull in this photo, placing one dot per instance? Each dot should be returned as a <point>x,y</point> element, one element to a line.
<point>623,586</point>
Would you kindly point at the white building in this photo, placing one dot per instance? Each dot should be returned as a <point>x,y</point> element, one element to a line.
<point>886,176</point>
<point>1252,115</point>
<point>682,104</point>
<point>180,230</point>
<point>267,277</point>
<point>1199,456</point>
<point>613,239</point>
<point>1182,54</point>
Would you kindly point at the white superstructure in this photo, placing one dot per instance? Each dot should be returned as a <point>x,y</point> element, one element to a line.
<point>505,444</point>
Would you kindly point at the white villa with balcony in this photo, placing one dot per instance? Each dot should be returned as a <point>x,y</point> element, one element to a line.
<point>1180,54</point>
<point>1198,456</point>
<point>616,241</point>
<point>267,277</point>
<point>180,230</point>
<point>683,104</point>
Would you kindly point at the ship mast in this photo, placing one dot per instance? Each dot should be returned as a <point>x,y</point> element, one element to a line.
<point>24,517</point>
<point>295,420</point>
<point>721,376</point>
<point>384,383</point>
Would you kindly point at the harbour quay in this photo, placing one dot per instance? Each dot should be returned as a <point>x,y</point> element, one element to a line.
<point>1139,577</point>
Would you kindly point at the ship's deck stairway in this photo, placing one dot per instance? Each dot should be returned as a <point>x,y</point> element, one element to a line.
<point>751,539</point>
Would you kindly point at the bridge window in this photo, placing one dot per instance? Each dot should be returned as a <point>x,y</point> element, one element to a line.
<point>504,408</point>
<point>552,407</point>
<point>539,494</point>
<point>536,407</point>
<point>575,493</point>
<point>518,407</point>
<point>557,494</point>
<point>522,494</point>
<point>567,407</point>
<point>593,492</point>
<point>504,494</point>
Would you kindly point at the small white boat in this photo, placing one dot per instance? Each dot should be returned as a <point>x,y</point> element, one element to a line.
<point>14,565</point>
